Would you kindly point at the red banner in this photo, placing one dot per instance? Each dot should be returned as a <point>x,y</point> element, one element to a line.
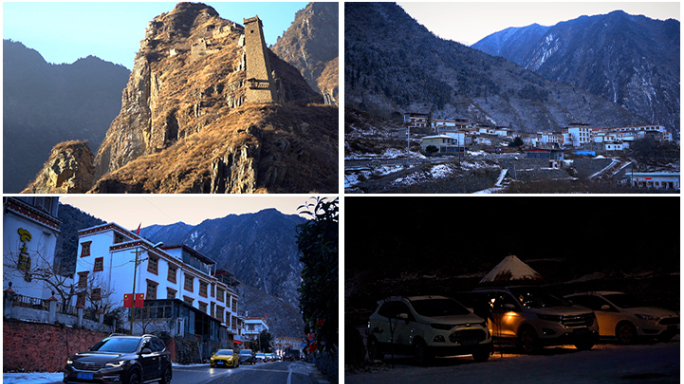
<point>139,300</point>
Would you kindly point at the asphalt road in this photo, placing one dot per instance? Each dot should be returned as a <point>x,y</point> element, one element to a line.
<point>605,364</point>
<point>276,373</point>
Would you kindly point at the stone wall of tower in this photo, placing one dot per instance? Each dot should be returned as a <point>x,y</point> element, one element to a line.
<point>260,87</point>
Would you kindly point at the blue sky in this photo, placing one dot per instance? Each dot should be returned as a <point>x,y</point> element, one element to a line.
<point>63,32</point>
<point>469,22</point>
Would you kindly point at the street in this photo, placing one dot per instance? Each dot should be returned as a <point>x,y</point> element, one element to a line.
<point>281,372</point>
<point>605,363</point>
<point>297,372</point>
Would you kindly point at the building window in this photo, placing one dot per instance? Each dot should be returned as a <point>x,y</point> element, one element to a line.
<point>151,290</point>
<point>220,313</point>
<point>220,295</point>
<point>172,274</point>
<point>99,264</point>
<point>171,293</point>
<point>85,248</point>
<point>188,300</point>
<point>153,265</point>
<point>203,288</point>
<point>81,299</point>
<point>234,304</point>
<point>202,306</point>
<point>82,279</point>
<point>118,238</point>
<point>189,283</point>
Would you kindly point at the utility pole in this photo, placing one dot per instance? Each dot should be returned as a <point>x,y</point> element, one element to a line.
<point>135,272</point>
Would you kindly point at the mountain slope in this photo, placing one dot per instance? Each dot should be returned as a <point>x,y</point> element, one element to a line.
<point>44,104</point>
<point>393,64</point>
<point>261,251</point>
<point>630,60</point>
<point>185,125</point>
<point>311,45</point>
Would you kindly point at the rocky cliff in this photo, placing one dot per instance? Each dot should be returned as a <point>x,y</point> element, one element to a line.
<point>311,45</point>
<point>68,170</point>
<point>186,124</point>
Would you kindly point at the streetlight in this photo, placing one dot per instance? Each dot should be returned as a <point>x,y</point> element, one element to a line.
<point>135,272</point>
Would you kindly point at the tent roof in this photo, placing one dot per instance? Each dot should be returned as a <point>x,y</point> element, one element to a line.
<point>511,269</point>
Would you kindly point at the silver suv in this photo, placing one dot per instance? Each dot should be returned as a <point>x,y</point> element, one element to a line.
<point>532,318</point>
<point>426,326</point>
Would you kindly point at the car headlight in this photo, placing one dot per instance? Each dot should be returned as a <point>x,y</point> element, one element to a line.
<point>115,364</point>
<point>647,317</point>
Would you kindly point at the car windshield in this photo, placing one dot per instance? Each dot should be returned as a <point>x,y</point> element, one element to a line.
<point>123,345</point>
<point>623,300</point>
<point>438,307</point>
<point>532,298</point>
<point>224,352</point>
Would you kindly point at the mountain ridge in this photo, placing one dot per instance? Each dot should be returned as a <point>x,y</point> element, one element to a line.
<point>631,60</point>
<point>395,65</point>
<point>48,104</point>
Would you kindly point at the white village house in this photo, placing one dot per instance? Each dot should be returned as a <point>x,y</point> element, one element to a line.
<point>30,230</point>
<point>177,279</point>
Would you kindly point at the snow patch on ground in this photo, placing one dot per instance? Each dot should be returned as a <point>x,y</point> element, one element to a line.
<point>32,377</point>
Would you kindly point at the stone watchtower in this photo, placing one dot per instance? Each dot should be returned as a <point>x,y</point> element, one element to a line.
<point>260,85</point>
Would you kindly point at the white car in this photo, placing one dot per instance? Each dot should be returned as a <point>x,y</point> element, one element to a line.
<point>427,326</point>
<point>624,316</point>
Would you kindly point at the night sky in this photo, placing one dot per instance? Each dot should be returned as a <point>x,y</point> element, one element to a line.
<point>391,235</point>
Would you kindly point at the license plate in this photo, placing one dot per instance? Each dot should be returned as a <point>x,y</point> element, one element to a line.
<point>469,342</point>
<point>84,376</point>
<point>581,331</point>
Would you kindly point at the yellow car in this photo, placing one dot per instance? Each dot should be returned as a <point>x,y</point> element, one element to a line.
<point>225,358</point>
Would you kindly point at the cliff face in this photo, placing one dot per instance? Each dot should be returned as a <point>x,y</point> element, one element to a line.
<point>311,45</point>
<point>187,124</point>
<point>68,170</point>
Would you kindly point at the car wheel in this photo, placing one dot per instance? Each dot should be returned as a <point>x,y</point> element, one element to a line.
<point>665,336</point>
<point>421,353</point>
<point>481,356</point>
<point>527,341</point>
<point>166,377</point>
<point>584,345</point>
<point>134,378</point>
<point>374,351</point>
<point>626,333</point>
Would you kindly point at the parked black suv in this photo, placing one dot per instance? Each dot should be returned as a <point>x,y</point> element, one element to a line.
<point>121,359</point>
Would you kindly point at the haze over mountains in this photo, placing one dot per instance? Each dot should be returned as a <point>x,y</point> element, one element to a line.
<point>630,60</point>
<point>44,104</point>
<point>394,65</point>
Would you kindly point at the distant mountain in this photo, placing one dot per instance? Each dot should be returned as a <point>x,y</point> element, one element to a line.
<point>311,45</point>
<point>44,104</point>
<point>66,249</point>
<point>261,251</point>
<point>395,65</point>
<point>630,60</point>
